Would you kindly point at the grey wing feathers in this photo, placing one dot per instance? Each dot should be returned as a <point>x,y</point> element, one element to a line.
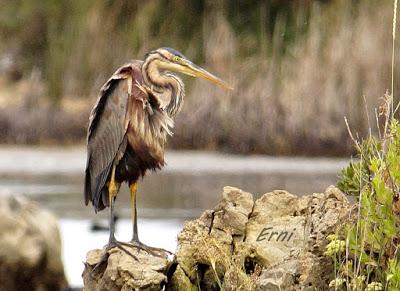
<point>106,134</point>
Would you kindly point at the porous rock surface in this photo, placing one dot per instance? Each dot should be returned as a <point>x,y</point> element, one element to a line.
<point>123,272</point>
<point>273,243</point>
<point>30,247</point>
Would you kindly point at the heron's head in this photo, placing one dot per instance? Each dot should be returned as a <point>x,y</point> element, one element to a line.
<point>172,60</point>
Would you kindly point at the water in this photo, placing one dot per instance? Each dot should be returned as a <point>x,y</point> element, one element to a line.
<point>190,183</point>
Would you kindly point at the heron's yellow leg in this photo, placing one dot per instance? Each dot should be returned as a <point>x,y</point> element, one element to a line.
<point>133,190</point>
<point>112,187</point>
<point>135,238</point>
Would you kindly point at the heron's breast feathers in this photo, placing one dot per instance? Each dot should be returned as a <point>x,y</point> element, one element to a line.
<point>147,124</point>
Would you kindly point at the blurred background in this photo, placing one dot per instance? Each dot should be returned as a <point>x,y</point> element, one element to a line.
<point>298,67</point>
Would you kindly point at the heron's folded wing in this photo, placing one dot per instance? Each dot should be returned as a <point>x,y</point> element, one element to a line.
<point>107,128</point>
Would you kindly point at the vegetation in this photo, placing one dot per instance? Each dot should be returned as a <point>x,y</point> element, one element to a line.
<point>367,257</point>
<point>298,67</point>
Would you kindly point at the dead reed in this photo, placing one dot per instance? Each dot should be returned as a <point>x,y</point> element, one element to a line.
<point>294,104</point>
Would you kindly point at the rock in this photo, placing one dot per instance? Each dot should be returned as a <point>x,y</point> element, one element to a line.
<point>273,243</point>
<point>30,247</point>
<point>122,272</point>
<point>205,245</point>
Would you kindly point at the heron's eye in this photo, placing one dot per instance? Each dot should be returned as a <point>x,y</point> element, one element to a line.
<point>176,59</point>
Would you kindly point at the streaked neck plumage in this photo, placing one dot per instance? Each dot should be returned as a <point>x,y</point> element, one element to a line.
<point>166,87</point>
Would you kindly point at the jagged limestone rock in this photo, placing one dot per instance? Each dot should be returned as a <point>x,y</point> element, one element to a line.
<point>205,245</point>
<point>30,247</point>
<point>180,281</point>
<point>273,243</point>
<point>122,272</point>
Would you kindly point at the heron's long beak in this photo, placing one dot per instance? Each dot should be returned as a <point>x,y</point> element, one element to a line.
<point>193,70</point>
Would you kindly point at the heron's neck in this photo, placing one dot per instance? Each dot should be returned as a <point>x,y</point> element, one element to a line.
<point>166,87</point>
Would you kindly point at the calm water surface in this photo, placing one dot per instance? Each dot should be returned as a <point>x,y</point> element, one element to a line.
<point>190,183</point>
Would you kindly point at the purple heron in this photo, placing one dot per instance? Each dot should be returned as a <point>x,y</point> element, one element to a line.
<point>128,128</point>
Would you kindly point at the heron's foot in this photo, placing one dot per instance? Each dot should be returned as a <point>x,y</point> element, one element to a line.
<point>112,244</point>
<point>157,252</point>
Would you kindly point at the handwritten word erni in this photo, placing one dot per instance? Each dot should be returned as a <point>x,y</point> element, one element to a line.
<point>266,234</point>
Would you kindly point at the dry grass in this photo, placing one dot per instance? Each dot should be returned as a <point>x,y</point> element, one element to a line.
<point>42,125</point>
<point>289,98</point>
<point>219,264</point>
<point>294,104</point>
